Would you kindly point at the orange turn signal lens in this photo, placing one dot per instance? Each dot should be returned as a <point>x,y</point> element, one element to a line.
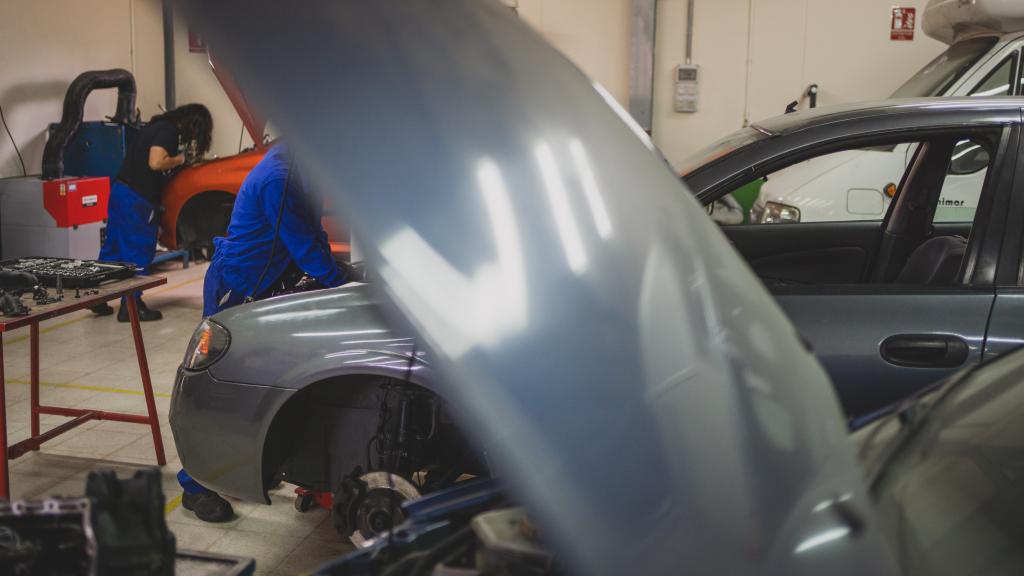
<point>204,342</point>
<point>209,342</point>
<point>890,190</point>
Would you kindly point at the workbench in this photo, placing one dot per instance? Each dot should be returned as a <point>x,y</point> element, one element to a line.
<point>105,293</point>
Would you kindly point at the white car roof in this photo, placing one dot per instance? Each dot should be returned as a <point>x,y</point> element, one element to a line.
<point>952,20</point>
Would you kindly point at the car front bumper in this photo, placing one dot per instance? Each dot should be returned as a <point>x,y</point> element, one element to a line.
<point>220,428</point>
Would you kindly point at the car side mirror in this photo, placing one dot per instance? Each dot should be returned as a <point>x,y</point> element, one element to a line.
<point>968,158</point>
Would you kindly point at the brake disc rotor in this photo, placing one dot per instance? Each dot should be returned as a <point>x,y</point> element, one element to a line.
<point>379,509</point>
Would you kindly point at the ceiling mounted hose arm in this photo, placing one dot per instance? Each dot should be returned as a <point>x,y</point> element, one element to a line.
<point>74,107</point>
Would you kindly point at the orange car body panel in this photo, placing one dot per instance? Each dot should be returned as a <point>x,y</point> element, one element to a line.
<point>221,175</point>
<point>226,174</point>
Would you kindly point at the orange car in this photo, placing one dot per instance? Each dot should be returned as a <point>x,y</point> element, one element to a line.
<point>198,199</point>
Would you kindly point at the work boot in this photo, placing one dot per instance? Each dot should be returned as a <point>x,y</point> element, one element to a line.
<point>208,506</point>
<point>102,309</point>
<point>145,314</point>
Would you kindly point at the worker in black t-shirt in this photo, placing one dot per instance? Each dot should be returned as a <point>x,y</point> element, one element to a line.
<point>133,221</point>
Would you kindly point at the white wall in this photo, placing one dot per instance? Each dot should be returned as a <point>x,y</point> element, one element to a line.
<point>841,45</point>
<point>595,34</point>
<point>195,82</point>
<point>44,44</point>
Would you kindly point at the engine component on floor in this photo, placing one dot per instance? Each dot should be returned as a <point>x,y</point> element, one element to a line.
<point>371,504</point>
<point>128,521</point>
<point>71,273</point>
<point>117,528</point>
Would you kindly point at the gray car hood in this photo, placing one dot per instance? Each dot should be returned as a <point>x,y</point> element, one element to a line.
<point>629,375</point>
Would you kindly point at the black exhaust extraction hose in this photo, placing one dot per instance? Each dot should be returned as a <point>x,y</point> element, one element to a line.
<point>74,108</point>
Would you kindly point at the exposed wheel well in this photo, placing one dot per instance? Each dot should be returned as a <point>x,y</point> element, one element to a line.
<point>204,217</point>
<point>325,430</point>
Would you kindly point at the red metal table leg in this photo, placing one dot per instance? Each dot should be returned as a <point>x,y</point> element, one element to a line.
<point>147,384</point>
<point>5,486</point>
<point>34,391</point>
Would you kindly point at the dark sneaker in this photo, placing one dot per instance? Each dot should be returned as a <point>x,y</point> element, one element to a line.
<point>102,309</point>
<point>208,506</point>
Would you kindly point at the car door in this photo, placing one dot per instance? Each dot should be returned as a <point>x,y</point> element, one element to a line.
<point>1006,327</point>
<point>882,340</point>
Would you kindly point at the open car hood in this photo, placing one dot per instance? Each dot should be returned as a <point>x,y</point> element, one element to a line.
<point>629,376</point>
<point>255,124</point>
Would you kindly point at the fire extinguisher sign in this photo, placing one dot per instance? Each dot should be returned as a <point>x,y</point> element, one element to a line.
<point>903,23</point>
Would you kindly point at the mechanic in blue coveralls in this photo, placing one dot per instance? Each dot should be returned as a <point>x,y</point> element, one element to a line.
<point>275,236</point>
<point>133,216</point>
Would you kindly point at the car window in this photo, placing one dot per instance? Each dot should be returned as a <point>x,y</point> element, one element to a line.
<point>961,190</point>
<point>849,185</point>
<point>939,74</point>
<point>999,82</point>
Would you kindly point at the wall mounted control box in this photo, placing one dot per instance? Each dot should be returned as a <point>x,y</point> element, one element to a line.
<point>687,87</point>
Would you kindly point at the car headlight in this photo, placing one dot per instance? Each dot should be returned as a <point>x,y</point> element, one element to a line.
<point>209,342</point>
<point>777,213</point>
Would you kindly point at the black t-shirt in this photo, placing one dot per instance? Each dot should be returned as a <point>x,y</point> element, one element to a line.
<point>135,171</point>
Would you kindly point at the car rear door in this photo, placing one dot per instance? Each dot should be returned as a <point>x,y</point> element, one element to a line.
<point>882,341</point>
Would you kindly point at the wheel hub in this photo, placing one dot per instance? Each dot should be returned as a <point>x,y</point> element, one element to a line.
<point>374,507</point>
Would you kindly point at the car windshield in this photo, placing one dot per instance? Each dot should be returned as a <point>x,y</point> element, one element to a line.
<point>949,492</point>
<point>723,147</point>
<point>935,78</point>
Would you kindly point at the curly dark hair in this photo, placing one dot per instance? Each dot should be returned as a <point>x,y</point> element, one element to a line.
<point>195,125</point>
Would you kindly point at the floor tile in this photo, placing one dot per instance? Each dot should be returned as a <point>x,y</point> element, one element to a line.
<point>269,550</point>
<point>57,465</point>
<point>196,538</point>
<point>282,518</point>
<point>311,554</point>
<point>89,443</point>
<point>142,450</point>
<point>326,532</point>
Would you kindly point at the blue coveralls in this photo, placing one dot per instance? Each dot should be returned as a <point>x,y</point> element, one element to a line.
<point>132,227</point>
<point>240,258</point>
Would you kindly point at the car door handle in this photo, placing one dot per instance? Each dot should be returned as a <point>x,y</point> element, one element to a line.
<point>924,350</point>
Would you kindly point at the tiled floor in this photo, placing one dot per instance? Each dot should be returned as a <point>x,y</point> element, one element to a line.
<point>90,362</point>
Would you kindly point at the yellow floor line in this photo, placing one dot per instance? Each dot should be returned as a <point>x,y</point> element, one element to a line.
<point>73,386</point>
<point>81,318</point>
<point>172,505</point>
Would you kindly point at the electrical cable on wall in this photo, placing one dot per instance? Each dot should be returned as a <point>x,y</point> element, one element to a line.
<point>24,172</point>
